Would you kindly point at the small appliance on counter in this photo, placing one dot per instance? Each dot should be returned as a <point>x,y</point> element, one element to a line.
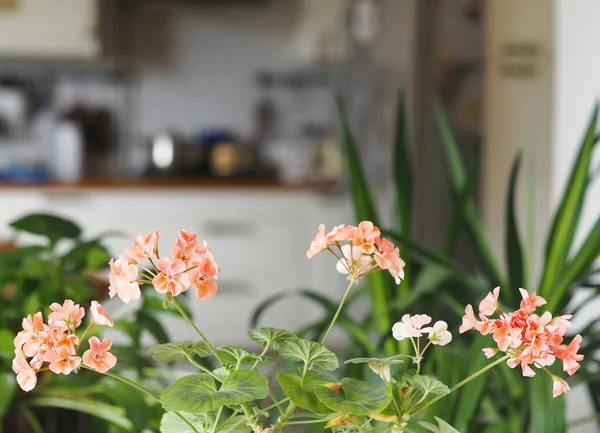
<point>172,155</point>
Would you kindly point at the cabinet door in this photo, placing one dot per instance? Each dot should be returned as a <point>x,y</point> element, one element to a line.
<point>49,28</point>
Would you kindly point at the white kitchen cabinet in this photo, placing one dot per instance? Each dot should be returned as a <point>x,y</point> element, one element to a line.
<point>50,29</point>
<point>259,237</point>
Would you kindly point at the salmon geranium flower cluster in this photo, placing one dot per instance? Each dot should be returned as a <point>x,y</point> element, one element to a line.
<point>526,337</point>
<point>191,264</point>
<point>55,346</point>
<point>360,250</point>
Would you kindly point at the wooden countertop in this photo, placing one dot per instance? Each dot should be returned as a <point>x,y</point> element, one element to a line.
<point>116,184</point>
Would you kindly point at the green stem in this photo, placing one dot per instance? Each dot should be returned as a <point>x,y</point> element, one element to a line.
<point>463,382</point>
<point>203,368</point>
<point>309,421</point>
<point>276,404</point>
<point>214,429</point>
<point>263,353</point>
<point>144,391</point>
<point>337,313</point>
<point>252,421</point>
<point>200,334</point>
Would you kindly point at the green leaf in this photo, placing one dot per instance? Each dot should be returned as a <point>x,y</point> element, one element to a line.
<point>113,414</point>
<point>234,424</point>
<point>270,337</point>
<point>131,400</point>
<point>303,392</point>
<point>441,427</point>
<point>239,356</point>
<point>458,178</point>
<point>7,347</point>
<point>198,393</point>
<point>429,385</point>
<point>50,226</point>
<point>176,352</point>
<point>566,219</point>
<point>380,361</point>
<point>470,395</point>
<point>439,259</point>
<point>364,203</point>
<point>172,423</point>
<point>355,397</point>
<point>463,197</point>
<point>513,248</point>
<point>403,176</point>
<point>548,413</point>
<point>580,264</point>
<point>365,210</point>
<point>7,391</point>
<point>310,353</point>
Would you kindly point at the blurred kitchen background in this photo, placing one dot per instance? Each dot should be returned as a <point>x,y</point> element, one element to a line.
<point>217,116</point>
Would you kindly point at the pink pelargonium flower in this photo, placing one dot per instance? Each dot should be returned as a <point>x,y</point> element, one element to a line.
<point>410,326</point>
<point>98,357</point>
<point>68,315</point>
<point>569,355</point>
<point>353,263</point>
<point>364,236</point>
<point>319,243</point>
<point>171,278</point>
<point>387,256</point>
<point>28,340</point>
<point>488,306</point>
<point>63,361</point>
<point>26,376</point>
<point>99,316</point>
<point>203,276</point>
<point>123,280</point>
<point>143,246</point>
<point>531,301</point>
<point>559,386</point>
<point>469,320</point>
<point>439,334</point>
<point>529,339</point>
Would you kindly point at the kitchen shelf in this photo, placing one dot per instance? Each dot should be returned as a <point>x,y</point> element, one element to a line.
<point>175,184</point>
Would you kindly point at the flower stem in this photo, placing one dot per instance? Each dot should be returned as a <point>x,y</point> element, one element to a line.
<point>464,382</point>
<point>187,319</point>
<point>337,313</point>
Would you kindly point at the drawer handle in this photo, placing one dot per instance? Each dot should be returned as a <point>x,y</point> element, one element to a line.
<point>230,228</point>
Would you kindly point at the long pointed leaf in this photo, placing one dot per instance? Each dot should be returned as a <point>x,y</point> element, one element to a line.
<point>364,206</point>
<point>577,267</point>
<point>364,203</point>
<point>458,178</point>
<point>403,176</point>
<point>113,414</point>
<point>439,259</point>
<point>567,217</point>
<point>456,220</point>
<point>547,412</point>
<point>513,248</point>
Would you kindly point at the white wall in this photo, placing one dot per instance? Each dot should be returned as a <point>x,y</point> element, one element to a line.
<point>548,112</point>
<point>576,89</point>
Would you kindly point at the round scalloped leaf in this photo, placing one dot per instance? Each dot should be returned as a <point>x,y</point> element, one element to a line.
<point>355,397</point>
<point>270,336</point>
<point>171,423</point>
<point>199,393</point>
<point>303,393</point>
<point>176,352</point>
<point>238,355</point>
<point>310,353</point>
